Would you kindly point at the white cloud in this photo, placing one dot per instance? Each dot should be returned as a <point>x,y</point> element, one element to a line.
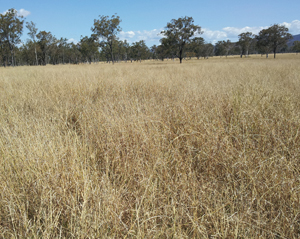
<point>235,31</point>
<point>153,35</point>
<point>20,13</point>
<point>125,35</point>
<point>72,40</point>
<point>294,27</point>
<point>232,33</point>
<point>23,12</point>
<point>210,35</point>
<point>147,36</point>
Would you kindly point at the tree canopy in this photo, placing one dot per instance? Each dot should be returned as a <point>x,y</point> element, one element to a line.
<point>296,46</point>
<point>245,41</point>
<point>106,30</point>
<point>32,33</point>
<point>11,28</point>
<point>178,33</point>
<point>273,38</point>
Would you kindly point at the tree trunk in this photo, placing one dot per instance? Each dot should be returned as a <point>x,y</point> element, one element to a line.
<point>180,56</point>
<point>111,53</point>
<point>15,60</point>
<point>35,54</point>
<point>12,58</point>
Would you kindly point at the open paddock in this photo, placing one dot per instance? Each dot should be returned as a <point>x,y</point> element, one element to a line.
<point>209,148</point>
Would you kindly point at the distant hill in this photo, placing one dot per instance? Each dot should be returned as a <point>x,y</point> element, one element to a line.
<point>295,38</point>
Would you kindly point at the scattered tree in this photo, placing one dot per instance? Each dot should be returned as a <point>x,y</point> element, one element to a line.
<point>162,52</point>
<point>46,41</point>
<point>179,40</point>
<point>106,30</point>
<point>228,45</point>
<point>262,43</point>
<point>32,33</point>
<point>62,47</point>
<point>140,50</point>
<point>208,50</point>
<point>88,49</point>
<point>178,33</point>
<point>220,49</point>
<point>296,46</point>
<point>197,44</point>
<point>273,38</point>
<point>11,28</point>
<point>245,41</point>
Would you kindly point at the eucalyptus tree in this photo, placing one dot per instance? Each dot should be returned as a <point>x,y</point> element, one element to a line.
<point>4,52</point>
<point>105,52</point>
<point>121,50</point>
<point>11,28</point>
<point>157,52</point>
<point>32,33</point>
<point>75,53</point>
<point>140,51</point>
<point>245,41</point>
<point>223,48</point>
<point>88,48</point>
<point>62,48</point>
<point>228,45</point>
<point>296,46</point>
<point>197,44</point>
<point>220,49</point>
<point>208,50</point>
<point>126,50</point>
<point>162,52</point>
<point>46,42</point>
<point>262,43</point>
<point>153,52</point>
<point>105,30</point>
<point>179,33</point>
<point>273,38</point>
<point>28,52</point>
<point>167,49</point>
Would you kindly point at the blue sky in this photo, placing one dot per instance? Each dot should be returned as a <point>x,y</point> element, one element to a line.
<point>143,20</point>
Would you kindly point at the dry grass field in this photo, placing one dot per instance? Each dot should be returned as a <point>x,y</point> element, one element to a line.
<point>205,149</point>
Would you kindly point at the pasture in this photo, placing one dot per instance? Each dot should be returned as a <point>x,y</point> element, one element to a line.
<point>205,149</point>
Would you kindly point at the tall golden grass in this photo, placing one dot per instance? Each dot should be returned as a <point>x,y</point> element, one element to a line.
<point>206,149</point>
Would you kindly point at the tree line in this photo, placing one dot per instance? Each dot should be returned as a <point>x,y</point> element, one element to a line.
<point>180,39</point>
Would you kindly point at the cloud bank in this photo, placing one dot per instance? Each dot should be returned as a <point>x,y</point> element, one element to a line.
<point>232,33</point>
<point>20,13</point>
<point>294,27</point>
